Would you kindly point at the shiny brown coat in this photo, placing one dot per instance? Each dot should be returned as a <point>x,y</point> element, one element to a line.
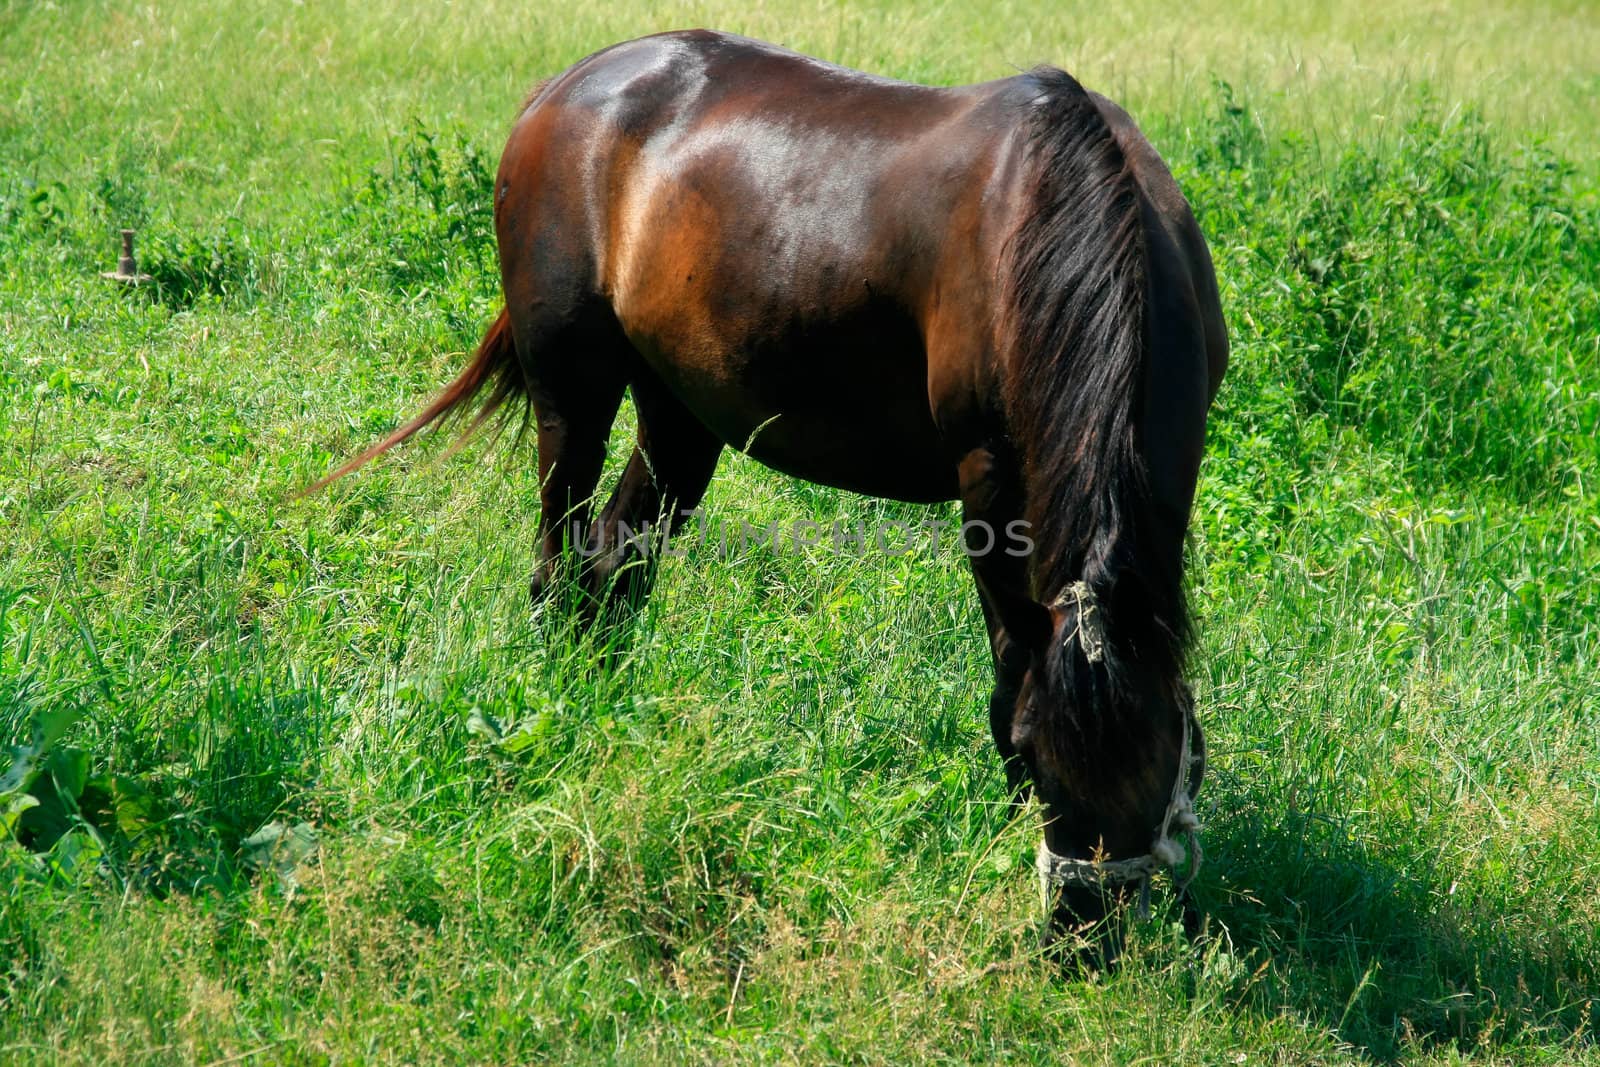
<point>992,293</point>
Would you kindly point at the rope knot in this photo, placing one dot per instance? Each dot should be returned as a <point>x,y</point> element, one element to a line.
<point>1168,851</point>
<point>1090,631</point>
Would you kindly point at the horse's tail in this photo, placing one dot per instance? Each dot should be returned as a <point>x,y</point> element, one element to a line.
<point>494,367</point>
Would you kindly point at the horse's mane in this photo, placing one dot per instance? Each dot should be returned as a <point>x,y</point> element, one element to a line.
<point>1075,332</point>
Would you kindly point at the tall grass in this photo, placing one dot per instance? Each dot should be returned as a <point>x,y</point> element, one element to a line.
<point>772,827</point>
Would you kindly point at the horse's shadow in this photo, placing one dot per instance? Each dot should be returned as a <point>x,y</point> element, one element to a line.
<point>1387,959</point>
<point>1388,949</point>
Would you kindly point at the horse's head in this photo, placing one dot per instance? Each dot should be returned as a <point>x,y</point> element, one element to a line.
<point>1105,726</point>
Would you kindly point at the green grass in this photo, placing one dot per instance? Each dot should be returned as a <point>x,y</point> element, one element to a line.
<point>774,829</point>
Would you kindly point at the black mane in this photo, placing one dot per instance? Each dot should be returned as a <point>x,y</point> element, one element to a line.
<point>1077,336</point>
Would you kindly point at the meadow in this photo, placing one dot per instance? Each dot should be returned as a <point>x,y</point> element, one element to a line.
<point>306,781</point>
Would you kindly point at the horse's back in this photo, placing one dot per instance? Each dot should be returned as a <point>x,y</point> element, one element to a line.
<point>756,150</point>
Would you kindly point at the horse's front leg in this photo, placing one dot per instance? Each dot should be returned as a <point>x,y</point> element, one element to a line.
<point>996,546</point>
<point>1010,665</point>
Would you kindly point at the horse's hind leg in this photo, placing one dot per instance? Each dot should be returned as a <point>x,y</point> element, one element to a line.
<point>672,463</point>
<point>576,384</point>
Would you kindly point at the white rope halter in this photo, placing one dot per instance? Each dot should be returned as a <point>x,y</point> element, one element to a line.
<point>1057,871</point>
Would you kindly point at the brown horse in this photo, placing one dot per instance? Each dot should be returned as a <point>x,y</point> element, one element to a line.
<point>993,293</point>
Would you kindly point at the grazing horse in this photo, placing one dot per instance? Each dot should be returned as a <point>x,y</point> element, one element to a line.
<point>992,293</point>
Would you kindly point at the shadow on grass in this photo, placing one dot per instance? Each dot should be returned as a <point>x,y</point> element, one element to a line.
<point>1388,959</point>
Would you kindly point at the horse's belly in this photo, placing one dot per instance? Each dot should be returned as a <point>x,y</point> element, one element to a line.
<point>877,460</point>
<point>847,409</point>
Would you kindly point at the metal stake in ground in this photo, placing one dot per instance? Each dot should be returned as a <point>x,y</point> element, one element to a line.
<point>127,271</point>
